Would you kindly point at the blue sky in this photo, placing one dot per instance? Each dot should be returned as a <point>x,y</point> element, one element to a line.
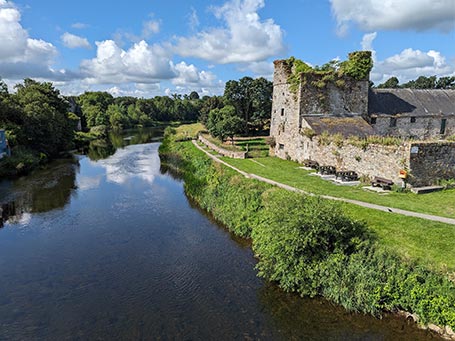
<point>148,47</point>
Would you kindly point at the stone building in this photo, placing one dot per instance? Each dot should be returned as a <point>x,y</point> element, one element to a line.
<point>332,121</point>
<point>412,113</point>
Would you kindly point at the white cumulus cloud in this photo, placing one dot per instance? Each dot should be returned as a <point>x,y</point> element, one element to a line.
<point>73,41</point>
<point>22,56</point>
<point>244,38</point>
<point>408,64</point>
<point>373,15</point>
<point>142,63</point>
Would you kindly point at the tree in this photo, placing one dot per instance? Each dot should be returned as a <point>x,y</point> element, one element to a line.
<point>252,99</point>
<point>94,106</point>
<point>224,123</point>
<point>422,82</point>
<point>208,104</point>
<point>262,103</point>
<point>194,95</point>
<point>11,117</point>
<point>391,83</point>
<point>47,127</point>
<point>446,83</point>
<point>229,126</point>
<point>117,116</point>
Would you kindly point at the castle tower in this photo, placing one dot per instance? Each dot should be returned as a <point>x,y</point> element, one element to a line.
<point>301,100</point>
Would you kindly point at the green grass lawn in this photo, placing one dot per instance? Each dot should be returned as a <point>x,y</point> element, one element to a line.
<point>256,147</point>
<point>288,172</point>
<point>429,243</point>
<point>188,130</point>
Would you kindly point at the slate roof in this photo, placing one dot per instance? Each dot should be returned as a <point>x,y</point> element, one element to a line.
<point>411,102</point>
<point>346,126</point>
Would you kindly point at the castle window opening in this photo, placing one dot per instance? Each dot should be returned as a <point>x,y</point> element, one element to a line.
<point>393,122</point>
<point>443,126</point>
<point>413,119</point>
<point>282,111</point>
<point>280,146</point>
<point>373,120</point>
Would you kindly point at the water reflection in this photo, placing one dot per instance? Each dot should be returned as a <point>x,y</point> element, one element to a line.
<point>103,148</point>
<point>135,162</point>
<point>317,319</point>
<point>42,191</point>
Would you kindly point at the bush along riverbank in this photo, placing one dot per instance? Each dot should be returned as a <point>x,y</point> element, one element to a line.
<point>310,246</point>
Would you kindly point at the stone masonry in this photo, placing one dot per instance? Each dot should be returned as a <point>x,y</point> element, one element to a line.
<point>300,118</point>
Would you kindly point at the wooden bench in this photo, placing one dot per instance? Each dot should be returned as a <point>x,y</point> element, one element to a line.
<point>311,164</point>
<point>381,182</point>
<point>327,170</point>
<point>347,175</point>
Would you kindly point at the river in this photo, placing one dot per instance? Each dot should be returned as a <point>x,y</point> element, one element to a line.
<point>108,247</point>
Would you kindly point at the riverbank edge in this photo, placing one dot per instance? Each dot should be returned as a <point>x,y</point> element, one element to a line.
<point>171,153</point>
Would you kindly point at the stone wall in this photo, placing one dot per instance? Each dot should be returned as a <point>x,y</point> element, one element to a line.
<point>426,162</point>
<point>348,98</point>
<point>427,127</point>
<point>221,151</point>
<point>430,162</point>
<point>374,160</point>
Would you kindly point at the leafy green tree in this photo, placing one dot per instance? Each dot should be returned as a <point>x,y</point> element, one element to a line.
<point>252,99</point>
<point>422,82</point>
<point>164,108</point>
<point>117,116</point>
<point>445,83</point>
<point>47,127</point>
<point>223,123</point>
<point>391,83</point>
<point>11,117</point>
<point>94,106</point>
<point>229,126</point>
<point>208,104</point>
<point>193,95</point>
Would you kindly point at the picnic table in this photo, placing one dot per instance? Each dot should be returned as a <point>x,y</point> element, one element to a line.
<point>347,175</point>
<point>327,170</point>
<point>382,182</point>
<point>311,164</point>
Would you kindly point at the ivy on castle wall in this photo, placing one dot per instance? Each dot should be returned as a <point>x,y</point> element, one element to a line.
<point>357,67</point>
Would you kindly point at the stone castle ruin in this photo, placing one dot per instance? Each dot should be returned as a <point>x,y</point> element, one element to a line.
<point>332,116</point>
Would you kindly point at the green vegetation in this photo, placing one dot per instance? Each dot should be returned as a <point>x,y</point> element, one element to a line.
<point>358,67</point>
<point>223,123</point>
<point>256,146</point>
<point>37,125</point>
<point>313,246</point>
<point>252,100</point>
<point>422,82</point>
<point>184,132</point>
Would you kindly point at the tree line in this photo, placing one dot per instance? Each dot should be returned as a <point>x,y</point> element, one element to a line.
<point>40,123</point>
<point>422,82</point>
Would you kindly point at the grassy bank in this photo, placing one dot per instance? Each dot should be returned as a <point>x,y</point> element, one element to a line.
<point>313,246</point>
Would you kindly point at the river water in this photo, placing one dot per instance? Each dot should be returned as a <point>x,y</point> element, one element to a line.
<point>108,247</point>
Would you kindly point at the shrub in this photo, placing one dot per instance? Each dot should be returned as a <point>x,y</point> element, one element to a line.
<point>295,234</point>
<point>21,161</point>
